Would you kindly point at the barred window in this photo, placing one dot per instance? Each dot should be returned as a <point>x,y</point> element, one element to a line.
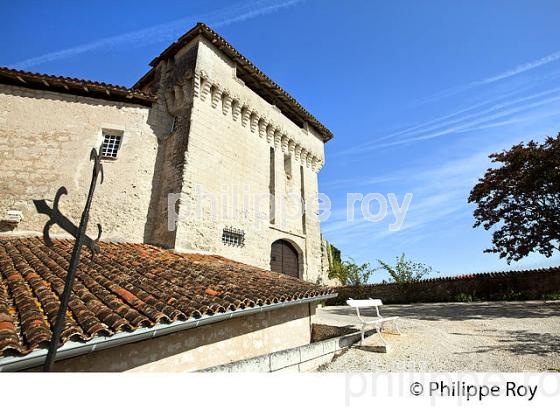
<point>110,146</point>
<point>233,237</point>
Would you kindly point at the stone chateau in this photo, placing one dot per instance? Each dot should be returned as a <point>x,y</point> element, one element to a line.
<point>204,154</point>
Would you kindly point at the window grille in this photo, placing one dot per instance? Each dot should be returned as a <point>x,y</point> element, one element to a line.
<point>233,237</point>
<point>110,146</point>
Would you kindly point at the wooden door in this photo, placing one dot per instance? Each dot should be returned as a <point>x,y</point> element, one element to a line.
<point>284,258</point>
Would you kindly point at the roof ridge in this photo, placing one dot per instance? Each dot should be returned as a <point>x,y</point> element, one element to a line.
<point>58,83</point>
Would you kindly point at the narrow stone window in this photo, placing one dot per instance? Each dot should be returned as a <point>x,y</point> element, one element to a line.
<point>288,165</point>
<point>111,144</point>
<point>272,188</point>
<point>233,237</point>
<point>302,192</point>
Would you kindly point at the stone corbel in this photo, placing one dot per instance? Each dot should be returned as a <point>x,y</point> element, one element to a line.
<point>226,102</point>
<point>297,152</point>
<point>277,138</point>
<point>314,164</point>
<point>254,120</point>
<point>262,127</point>
<point>245,115</point>
<point>205,86</point>
<point>269,133</point>
<point>303,156</point>
<point>284,142</point>
<point>216,95</point>
<point>235,108</point>
<point>196,85</point>
<point>308,160</point>
<point>291,146</point>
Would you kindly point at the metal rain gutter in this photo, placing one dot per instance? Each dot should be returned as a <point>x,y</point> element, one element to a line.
<point>71,349</point>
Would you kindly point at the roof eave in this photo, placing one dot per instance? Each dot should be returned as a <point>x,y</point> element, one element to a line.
<point>73,349</point>
<point>74,86</point>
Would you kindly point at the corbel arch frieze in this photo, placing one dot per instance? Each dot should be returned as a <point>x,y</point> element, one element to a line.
<point>269,131</point>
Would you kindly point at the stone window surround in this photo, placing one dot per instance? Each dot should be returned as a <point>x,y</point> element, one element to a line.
<point>222,98</point>
<point>110,130</point>
<point>233,237</point>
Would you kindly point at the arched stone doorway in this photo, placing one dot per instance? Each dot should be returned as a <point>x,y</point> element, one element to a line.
<point>284,258</point>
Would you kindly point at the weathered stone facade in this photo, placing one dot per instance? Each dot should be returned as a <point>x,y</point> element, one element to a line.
<point>45,139</point>
<point>228,156</point>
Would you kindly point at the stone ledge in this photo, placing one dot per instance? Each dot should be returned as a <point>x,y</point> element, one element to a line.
<point>298,359</point>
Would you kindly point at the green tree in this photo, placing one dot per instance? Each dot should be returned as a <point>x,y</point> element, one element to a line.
<point>405,270</point>
<point>348,272</point>
<point>521,199</point>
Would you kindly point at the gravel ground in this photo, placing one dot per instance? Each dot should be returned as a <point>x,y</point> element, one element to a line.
<point>452,337</point>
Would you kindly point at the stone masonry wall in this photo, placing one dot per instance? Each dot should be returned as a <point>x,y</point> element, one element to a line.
<point>205,346</point>
<point>45,142</point>
<point>174,88</point>
<point>227,172</point>
<point>207,139</point>
<point>532,284</point>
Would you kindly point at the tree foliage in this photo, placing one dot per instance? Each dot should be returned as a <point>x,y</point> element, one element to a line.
<point>520,199</point>
<point>405,270</point>
<point>333,254</point>
<point>348,272</point>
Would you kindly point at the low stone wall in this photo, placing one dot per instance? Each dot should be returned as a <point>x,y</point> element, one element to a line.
<point>513,285</point>
<point>305,358</point>
<point>205,346</point>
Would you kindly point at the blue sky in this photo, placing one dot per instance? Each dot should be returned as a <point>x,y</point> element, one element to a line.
<point>417,93</point>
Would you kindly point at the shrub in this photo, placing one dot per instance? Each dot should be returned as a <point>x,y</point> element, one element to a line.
<point>405,271</point>
<point>350,273</point>
<point>464,297</point>
<point>551,296</point>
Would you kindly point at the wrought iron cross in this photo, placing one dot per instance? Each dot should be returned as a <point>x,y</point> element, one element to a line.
<point>56,217</point>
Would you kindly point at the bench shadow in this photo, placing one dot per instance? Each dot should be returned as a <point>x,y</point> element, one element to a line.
<point>371,348</point>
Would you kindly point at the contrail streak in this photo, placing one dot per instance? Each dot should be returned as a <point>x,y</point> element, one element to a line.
<point>164,32</point>
<point>454,122</point>
<point>467,126</point>
<point>550,58</point>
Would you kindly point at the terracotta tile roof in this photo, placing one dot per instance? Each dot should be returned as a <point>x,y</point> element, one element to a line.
<point>75,86</point>
<point>248,72</point>
<point>127,286</point>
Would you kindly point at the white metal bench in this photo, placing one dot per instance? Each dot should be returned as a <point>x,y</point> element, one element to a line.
<point>377,322</point>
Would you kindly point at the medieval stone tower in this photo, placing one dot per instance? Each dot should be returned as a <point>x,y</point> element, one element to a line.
<point>204,153</point>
